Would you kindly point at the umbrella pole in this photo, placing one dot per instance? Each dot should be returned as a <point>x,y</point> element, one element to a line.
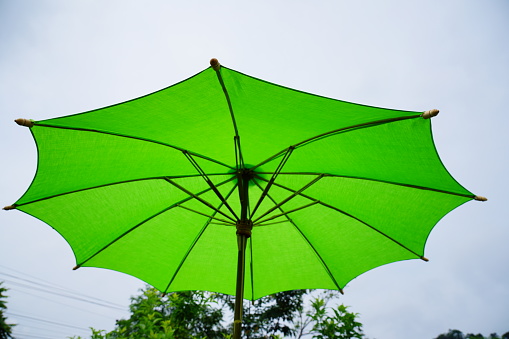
<point>244,227</point>
<point>239,293</point>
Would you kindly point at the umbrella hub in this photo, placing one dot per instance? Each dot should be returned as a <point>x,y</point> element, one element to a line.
<point>244,227</point>
<point>246,174</point>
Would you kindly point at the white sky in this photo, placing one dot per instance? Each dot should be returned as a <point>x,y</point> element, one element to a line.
<point>63,57</point>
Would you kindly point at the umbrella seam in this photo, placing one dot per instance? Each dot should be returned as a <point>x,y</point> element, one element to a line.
<point>329,273</point>
<point>111,184</point>
<point>471,196</point>
<point>335,132</point>
<point>134,138</point>
<point>143,222</point>
<point>195,241</point>
<point>234,122</point>
<point>353,217</point>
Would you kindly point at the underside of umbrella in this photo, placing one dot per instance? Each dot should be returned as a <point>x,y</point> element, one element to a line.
<point>306,191</point>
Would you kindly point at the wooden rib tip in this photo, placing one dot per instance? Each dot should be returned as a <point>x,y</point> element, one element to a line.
<point>479,198</point>
<point>215,64</point>
<point>430,114</point>
<point>341,291</point>
<point>8,208</point>
<point>163,295</point>
<point>425,259</point>
<point>24,122</point>
<point>76,267</point>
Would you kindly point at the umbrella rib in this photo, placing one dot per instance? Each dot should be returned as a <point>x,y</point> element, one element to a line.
<point>372,227</point>
<point>207,223</point>
<point>290,211</point>
<point>142,222</point>
<point>309,184</point>
<point>336,131</point>
<point>223,222</point>
<point>116,183</point>
<point>472,196</point>
<point>209,205</point>
<point>209,182</point>
<point>270,223</point>
<point>232,115</point>
<point>350,216</point>
<point>327,269</point>
<point>283,161</point>
<point>135,138</point>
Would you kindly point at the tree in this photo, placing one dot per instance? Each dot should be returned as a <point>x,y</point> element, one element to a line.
<point>338,324</point>
<point>5,328</point>
<point>452,334</point>
<point>456,334</point>
<point>176,315</point>
<point>192,315</point>
<point>270,316</point>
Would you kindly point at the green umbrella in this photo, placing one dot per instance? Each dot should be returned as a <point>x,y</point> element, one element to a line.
<point>227,183</point>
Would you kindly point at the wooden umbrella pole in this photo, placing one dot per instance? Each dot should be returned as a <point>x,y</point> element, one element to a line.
<point>244,228</point>
<point>239,293</point>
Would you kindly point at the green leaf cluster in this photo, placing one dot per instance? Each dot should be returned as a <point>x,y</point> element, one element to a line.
<point>5,328</point>
<point>176,315</point>
<point>457,334</point>
<point>341,324</point>
<point>197,315</point>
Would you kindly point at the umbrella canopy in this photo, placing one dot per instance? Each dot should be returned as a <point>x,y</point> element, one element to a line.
<point>317,190</point>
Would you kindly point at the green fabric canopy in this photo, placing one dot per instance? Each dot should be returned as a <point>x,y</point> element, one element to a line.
<point>150,187</point>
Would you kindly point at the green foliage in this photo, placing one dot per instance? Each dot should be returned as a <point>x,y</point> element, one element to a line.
<point>271,316</point>
<point>340,324</point>
<point>5,328</point>
<point>176,316</point>
<point>197,315</point>
<point>456,334</point>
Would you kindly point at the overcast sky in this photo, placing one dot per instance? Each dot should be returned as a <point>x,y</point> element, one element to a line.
<point>64,57</point>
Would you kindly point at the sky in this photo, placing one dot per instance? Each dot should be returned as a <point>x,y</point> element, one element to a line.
<point>64,57</point>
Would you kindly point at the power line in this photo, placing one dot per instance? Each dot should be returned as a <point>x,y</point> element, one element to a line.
<point>56,302</point>
<point>45,290</point>
<point>45,321</point>
<point>31,336</point>
<point>63,295</point>
<point>62,332</point>
<point>53,285</point>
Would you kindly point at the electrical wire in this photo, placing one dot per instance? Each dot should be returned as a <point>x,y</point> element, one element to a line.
<point>52,285</point>
<point>8,313</point>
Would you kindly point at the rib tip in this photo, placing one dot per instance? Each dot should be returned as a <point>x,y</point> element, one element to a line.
<point>76,267</point>
<point>215,64</point>
<point>341,291</point>
<point>163,295</point>
<point>479,198</point>
<point>8,208</point>
<point>24,122</point>
<point>425,259</point>
<point>430,114</point>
